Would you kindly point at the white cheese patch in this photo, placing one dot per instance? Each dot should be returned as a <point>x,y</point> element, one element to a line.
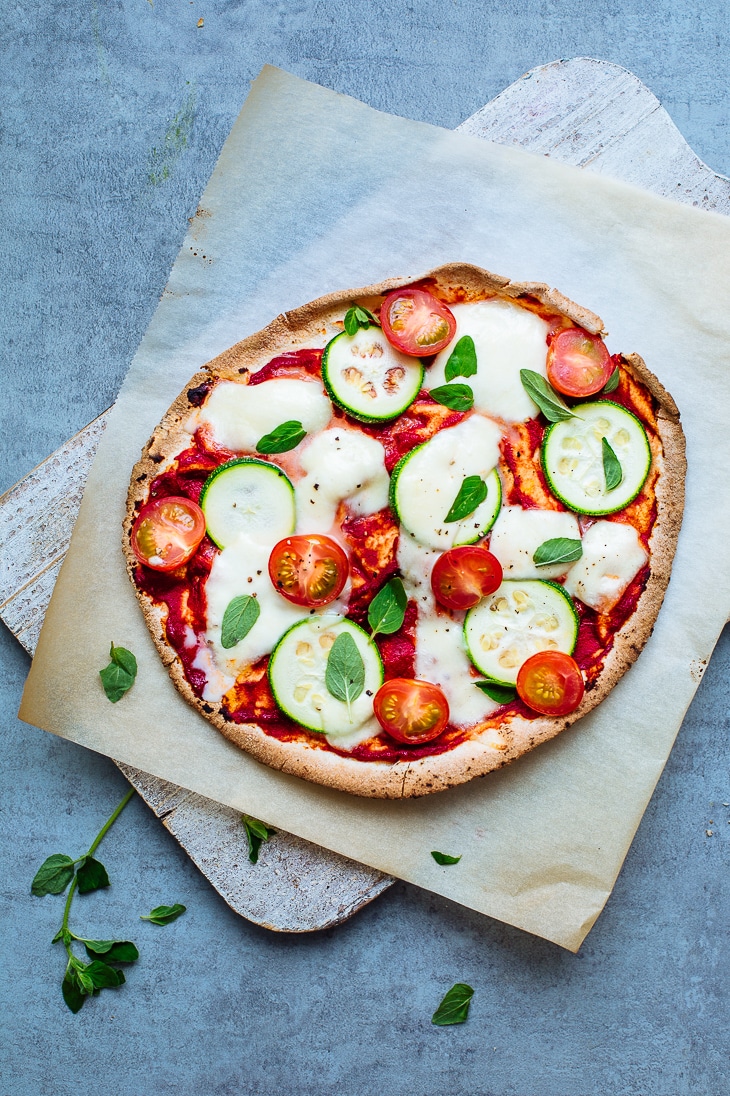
<point>239,415</point>
<point>340,464</point>
<point>217,683</point>
<point>349,739</point>
<point>612,556</point>
<point>507,338</point>
<point>518,533</point>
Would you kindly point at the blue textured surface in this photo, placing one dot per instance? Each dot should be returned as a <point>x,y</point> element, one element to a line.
<point>112,120</point>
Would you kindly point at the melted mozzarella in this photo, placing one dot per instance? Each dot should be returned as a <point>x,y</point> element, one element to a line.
<point>612,556</point>
<point>239,415</point>
<point>340,464</point>
<point>518,533</point>
<point>507,338</point>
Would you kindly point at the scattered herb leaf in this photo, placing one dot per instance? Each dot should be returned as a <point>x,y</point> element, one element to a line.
<point>112,951</point>
<point>103,976</point>
<point>345,674</point>
<point>612,469</point>
<point>73,995</point>
<point>444,858</point>
<point>459,397</point>
<point>91,875</point>
<point>454,1008</point>
<point>500,694</point>
<point>256,832</point>
<point>471,494</point>
<point>557,550</point>
<point>544,395</point>
<point>357,317</point>
<point>462,359</point>
<point>283,438</point>
<point>612,383</point>
<point>241,614</point>
<point>388,609</point>
<point>53,876</point>
<point>118,677</point>
<point>163,915</point>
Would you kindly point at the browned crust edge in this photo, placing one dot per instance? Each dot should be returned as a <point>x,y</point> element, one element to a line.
<point>476,756</point>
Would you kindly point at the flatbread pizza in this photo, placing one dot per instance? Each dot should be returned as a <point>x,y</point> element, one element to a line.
<point>408,532</point>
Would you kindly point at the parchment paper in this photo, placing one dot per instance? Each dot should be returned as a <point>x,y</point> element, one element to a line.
<point>315,192</point>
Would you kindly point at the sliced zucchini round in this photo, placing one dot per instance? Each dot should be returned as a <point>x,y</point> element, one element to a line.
<point>297,671</point>
<point>248,496</point>
<point>516,621</point>
<point>573,457</point>
<point>368,378</point>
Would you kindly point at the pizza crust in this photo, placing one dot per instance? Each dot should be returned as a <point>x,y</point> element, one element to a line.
<point>315,323</point>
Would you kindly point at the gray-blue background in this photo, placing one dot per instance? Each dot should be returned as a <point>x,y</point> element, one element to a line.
<point>112,116</point>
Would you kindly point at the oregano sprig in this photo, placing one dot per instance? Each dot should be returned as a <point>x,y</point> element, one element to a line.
<point>387,610</point>
<point>256,833</point>
<point>462,359</point>
<point>357,317</point>
<point>345,674</point>
<point>118,677</point>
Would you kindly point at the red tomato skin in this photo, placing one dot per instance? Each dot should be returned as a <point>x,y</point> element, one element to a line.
<point>162,516</point>
<point>421,316</point>
<point>578,363</point>
<point>550,682</point>
<point>298,564</point>
<point>403,703</point>
<point>462,576</point>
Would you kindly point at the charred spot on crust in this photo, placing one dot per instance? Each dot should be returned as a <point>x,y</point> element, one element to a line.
<point>206,708</point>
<point>142,478</point>
<point>196,396</point>
<point>156,458</point>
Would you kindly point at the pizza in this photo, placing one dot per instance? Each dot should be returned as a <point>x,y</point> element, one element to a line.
<point>406,533</point>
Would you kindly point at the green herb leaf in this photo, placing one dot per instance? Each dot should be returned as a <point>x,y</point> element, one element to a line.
<point>454,1008</point>
<point>86,982</point>
<point>239,618</point>
<point>388,609</point>
<point>444,858</point>
<point>112,951</point>
<point>472,494</point>
<point>500,694</point>
<point>557,550</point>
<point>61,935</point>
<point>118,677</point>
<point>612,383</point>
<point>612,469</point>
<point>459,397</point>
<point>256,832</point>
<point>163,915</point>
<point>345,674</point>
<point>462,359</point>
<point>357,317</point>
<point>91,875</point>
<point>53,876</point>
<point>103,976</point>
<point>544,395</point>
<point>283,438</point>
<point>71,990</point>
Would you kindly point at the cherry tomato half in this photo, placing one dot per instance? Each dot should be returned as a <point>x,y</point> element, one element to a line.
<point>578,364</point>
<point>416,323</point>
<point>550,682</point>
<point>167,533</point>
<point>308,570</point>
<point>463,576</point>
<point>411,710</point>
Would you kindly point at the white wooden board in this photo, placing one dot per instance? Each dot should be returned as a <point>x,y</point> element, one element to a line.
<point>584,112</point>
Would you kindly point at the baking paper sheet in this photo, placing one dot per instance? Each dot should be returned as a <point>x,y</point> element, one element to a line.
<point>315,192</point>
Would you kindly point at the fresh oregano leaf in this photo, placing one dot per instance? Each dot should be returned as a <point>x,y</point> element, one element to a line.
<point>557,550</point>
<point>62,934</point>
<point>454,1008</point>
<point>388,609</point>
<point>444,858</point>
<point>256,832</point>
<point>71,990</point>
<point>163,915</point>
<point>118,677</point>
<point>283,438</point>
<point>612,383</point>
<point>500,694</point>
<point>86,982</point>
<point>462,359</point>
<point>345,673</point>
<point>239,618</point>
<point>103,976</point>
<point>357,317</point>
<point>471,494</point>
<point>53,876</point>
<point>459,397</point>
<point>544,395</point>
<point>91,875</point>
<point>612,469</point>
<point>111,951</point>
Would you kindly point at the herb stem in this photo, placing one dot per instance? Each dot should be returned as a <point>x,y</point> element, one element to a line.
<point>110,822</point>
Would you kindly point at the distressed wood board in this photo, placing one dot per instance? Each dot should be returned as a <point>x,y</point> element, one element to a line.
<point>584,112</point>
